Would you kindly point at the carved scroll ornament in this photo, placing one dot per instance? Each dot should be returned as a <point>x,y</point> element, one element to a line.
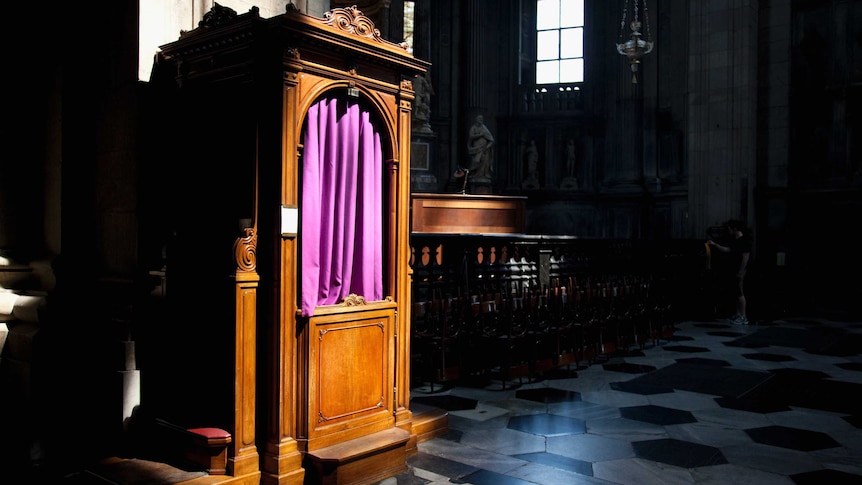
<point>352,20</point>
<point>245,251</point>
<point>354,300</point>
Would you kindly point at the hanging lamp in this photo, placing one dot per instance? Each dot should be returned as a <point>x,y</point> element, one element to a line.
<point>636,46</point>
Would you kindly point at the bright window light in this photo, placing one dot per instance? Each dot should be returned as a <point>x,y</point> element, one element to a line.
<point>559,41</point>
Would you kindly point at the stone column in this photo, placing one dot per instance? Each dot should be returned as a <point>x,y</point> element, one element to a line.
<point>722,112</point>
<point>625,163</point>
<point>473,97</point>
<point>475,60</point>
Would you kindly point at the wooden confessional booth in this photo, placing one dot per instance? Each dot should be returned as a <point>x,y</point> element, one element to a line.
<point>287,192</point>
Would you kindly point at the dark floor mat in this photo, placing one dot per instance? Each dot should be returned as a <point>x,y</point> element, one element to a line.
<point>817,340</point>
<point>828,395</point>
<point>807,389</point>
<point>705,379</point>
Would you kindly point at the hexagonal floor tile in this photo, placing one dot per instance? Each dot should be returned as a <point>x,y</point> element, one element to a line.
<point>797,375</point>
<point>850,365</point>
<point>547,425</point>
<point>855,420</point>
<point>768,357</point>
<point>726,333</point>
<point>558,461</point>
<point>819,477</point>
<point>548,395</point>
<point>679,453</point>
<point>685,348</point>
<point>629,368</point>
<point>762,406</point>
<point>680,338</point>
<point>641,388</point>
<point>703,361</point>
<point>792,438</point>
<point>746,344</point>
<point>657,415</point>
<point>487,477</point>
<point>439,465</point>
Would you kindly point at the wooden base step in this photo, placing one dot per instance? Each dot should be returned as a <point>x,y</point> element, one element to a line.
<point>428,421</point>
<point>359,461</point>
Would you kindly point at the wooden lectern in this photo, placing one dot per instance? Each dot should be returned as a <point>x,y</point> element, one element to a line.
<point>468,214</point>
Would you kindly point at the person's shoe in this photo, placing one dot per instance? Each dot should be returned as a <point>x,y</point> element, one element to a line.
<point>738,320</point>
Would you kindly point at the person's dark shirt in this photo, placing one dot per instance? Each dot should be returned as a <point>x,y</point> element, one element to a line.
<point>738,246</point>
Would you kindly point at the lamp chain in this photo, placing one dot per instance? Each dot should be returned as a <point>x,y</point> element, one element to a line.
<point>623,20</point>
<point>646,22</point>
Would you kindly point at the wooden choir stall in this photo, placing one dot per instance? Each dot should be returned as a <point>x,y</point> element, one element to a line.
<point>284,201</point>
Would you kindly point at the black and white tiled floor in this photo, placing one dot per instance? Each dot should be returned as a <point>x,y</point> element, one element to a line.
<point>773,403</point>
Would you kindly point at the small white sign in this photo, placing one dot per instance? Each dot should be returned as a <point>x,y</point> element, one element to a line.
<point>289,221</point>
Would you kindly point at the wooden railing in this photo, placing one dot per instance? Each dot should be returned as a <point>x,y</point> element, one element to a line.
<point>498,310</point>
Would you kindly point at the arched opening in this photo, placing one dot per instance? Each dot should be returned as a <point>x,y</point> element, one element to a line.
<point>343,203</point>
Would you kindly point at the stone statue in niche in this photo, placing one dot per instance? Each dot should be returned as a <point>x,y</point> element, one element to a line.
<point>570,178</point>
<point>531,157</point>
<point>480,147</point>
<point>422,104</point>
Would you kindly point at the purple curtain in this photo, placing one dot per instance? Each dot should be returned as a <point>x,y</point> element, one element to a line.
<point>342,206</point>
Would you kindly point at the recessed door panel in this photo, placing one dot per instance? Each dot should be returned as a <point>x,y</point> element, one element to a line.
<point>350,379</point>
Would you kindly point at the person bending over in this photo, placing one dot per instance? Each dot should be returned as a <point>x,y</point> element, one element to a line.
<point>738,247</point>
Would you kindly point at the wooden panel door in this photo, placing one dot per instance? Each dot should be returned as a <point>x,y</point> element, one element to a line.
<point>350,382</point>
